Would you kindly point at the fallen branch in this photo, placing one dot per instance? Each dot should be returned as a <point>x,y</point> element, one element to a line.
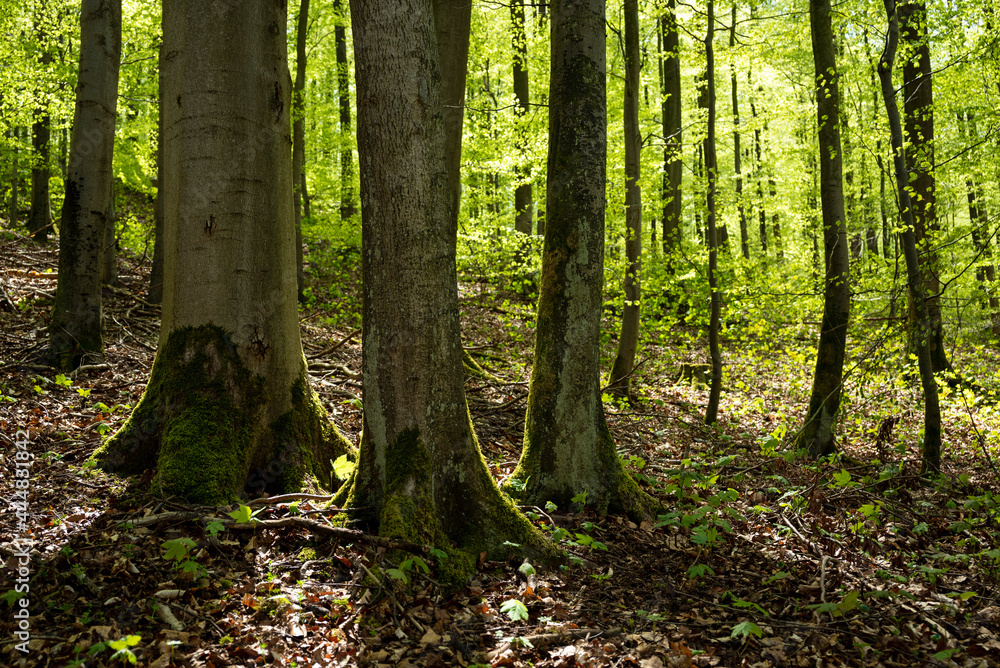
<point>545,639</point>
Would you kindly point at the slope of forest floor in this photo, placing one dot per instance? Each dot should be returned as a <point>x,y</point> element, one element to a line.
<point>767,559</point>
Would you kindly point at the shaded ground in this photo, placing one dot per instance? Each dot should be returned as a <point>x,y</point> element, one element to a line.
<point>767,561</point>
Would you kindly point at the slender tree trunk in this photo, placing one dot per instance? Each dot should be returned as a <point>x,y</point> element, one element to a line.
<point>931,453</point>
<point>779,248</point>
<point>628,340</point>
<point>568,449</point>
<point>299,138</point>
<point>817,434</point>
<point>523,205</point>
<point>670,110</point>
<point>420,470</point>
<point>40,216</point>
<point>711,174</point>
<point>918,108</point>
<point>228,408</point>
<point>109,265</point>
<point>15,181</point>
<point>75,332</point>
<point>759,166</point>
<point>737,167</point>
<point>348,199</point>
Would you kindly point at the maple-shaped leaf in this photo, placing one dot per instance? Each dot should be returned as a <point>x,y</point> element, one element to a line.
<point>514,609</point>
<point>177,549</point>
<point>744,629</point>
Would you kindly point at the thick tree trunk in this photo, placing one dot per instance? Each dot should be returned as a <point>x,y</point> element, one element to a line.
<point>737,167</point>
<point>523,197</point>
<point>628,339</point>
<point>568,449</point>
<point>299,138</point>
<point>711,174</point>
<point>670,110</point>
<point>452,26</point>
<point>420,470</point>
<point>228,407</point>
<point>817,434</point>
<point>155,293</point>
<point>75,331</point>
<point>918,109</point>
<point>348,199</point>
<point>931,453</point>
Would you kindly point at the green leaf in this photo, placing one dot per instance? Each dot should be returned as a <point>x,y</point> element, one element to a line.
<point>550,507</point>
<point>841,479</point>
<point>744,629</point>
<point>580,498</point>
<point>178,548</point>
<point>215,527</point>
<point>343,467</point>
<point>514,609</point>
<point>699,570</point>
<point>243,514</point>
<point>780,575</point>
<point>527,569</point>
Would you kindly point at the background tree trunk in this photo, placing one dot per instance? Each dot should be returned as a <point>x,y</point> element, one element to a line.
<point>76,317</point>
<point>918,110</point>
<point>628,339</point>
<point>348,201</point>
<point>523,204</point>
<point>931,454</point>
<point>228,406</point>
<point>817,434</point>
<point>420,469</point>
<point>40,216</point>
<point>299,138</point>
<point>568,449</point>
<point>673,147</point>
<point>737,167</point>
<point>109,265</point>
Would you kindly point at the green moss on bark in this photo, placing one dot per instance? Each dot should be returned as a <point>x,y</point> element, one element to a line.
<point>200,423</point>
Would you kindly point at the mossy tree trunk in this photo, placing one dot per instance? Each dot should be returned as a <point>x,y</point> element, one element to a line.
<point>76,317</point>
<point>918,112</point>
<point>228,408</point>
<point>628,339</point>
<point>419,469</point>
<point>931,454</point>
<point>568,449</point>
<point>670,112</point>
<point>817,434</point>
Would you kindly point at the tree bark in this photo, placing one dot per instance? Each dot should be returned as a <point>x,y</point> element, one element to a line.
<point>918,110</point>
<point>670,111</point>
<point>228,407</point>
<point>109,264</point>
<point>40,216</point>
<point>452,26</point>
<point>817,434</point>
<point>523,196</point>
<point>711,175</point>
<point>299,138</point>
<point>155,293</point>
<point>759,167</point>
<point>420,470</point>
<point>15,181</point>
<point>737,167</point>
<point>75,331</point>
<point>568,449</point>
<point>348,199</point>
<point>628,339</point>
<point>931,450</point>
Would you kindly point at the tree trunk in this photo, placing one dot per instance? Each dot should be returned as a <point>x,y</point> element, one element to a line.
<point>299,138</point>
<point>523,204</point>
<point>109,264</point>
<point>348,201</point>
<point>712,173</point>
<point>420,470</point>
<point>931,453</point>
<point>15,182</point>
<point>918,109</point>
<point>671,119</point>
<point>75,331</point>
<point>628,339</point>
<point>452,26</point>
<point>779,249</point>
<point>568,449</point>
<point>817,434</point>
<point>40,216</point>
<point>155,294</point>
<point>228,408</point>
<point>737,167</point>
<point>759,166</point>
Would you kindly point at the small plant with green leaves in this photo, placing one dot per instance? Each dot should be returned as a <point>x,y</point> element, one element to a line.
<point>514,609</point>
<point>244,515</point>
<point>410,565</point>
<point>178,550</point>
<point>122,649</point>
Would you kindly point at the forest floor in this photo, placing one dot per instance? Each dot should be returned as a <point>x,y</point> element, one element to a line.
<point>768,559</point>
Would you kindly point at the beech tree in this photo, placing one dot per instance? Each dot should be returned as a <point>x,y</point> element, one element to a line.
<point>817,434</point>
<point>711,174</point>
<point>568,449</point>
<point>670,112</point>
<point>228,406</point>
<point>420,471</point>
<point>75,330</point>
